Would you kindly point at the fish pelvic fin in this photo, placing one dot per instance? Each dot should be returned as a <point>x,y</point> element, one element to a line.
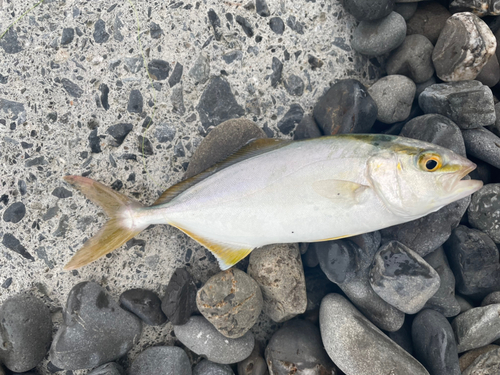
<point>118,230</point>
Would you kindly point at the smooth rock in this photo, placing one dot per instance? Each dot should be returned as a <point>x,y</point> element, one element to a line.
<point>14,213</point>
<point>491,299</point>
<point>145,304</point>
<point>477,327</point>
<point>232,301</point>
<point>428,20</point>
<point>465,305</point>
<point>426,234</point>
<point>318,286</point>
<point>346,107</point>
<point>458,101</point>
<point>380,36</point>
<point>443,300</point>
<point>402,278</point>
<point>412,59</point>
<point>368,10</point>
<point>296,348</point>
<point>346,333</point>
<point>490,74</point>
<point>483,144</point>
<point>201,337</point>
<point>161,360</point>
<point>485,364</point>
<point>222,141</point>
<point>307,128</point>
<point>255,364</point>
<point>111,368</point>
<point>422,86</point>
<point>109,331</point>
<point>179,301</point>
<point>279,272</point>
<point>291,118</point>
<point>474,259</point>
<point>469,357</point>
<point>217,103</point>
<point>206,367</point>
<point>277,25</point>
<point>437,129</point>
<point>484,211</point>
<point>158,69</point>
<point>119,132</point>
<point>394,96</point>
<point>402,337</point>
<point>434,343</point>
<point>407,10</point>
<point>463,48</point>
<point>26,332</point>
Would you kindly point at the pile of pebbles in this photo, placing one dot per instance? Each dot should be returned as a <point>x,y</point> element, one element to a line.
<point>409,299</point>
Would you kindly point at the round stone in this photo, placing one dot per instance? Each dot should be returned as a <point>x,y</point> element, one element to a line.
<point>368,10</point>
<point>394,96</point>
<point>108,369</point>
<point>407,10</point>
<point>179,301</point>
<point>378,37</point>
<point>483,144</point>
<point>14,213</point>
<point>161,360</point>
<point>428,20</point>
<point>206,367</point>
<point>464,46</point>
<point>484,211</point>
<point>490,74</point>
<point>485,364</point>
<point>145,304</point>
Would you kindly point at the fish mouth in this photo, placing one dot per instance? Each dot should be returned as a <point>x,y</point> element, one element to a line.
<point>460,187</point>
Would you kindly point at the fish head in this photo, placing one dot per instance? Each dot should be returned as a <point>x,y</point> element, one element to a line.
<point>413,178</point>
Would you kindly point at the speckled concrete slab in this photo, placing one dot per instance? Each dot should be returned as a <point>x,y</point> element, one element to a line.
<point>75,98</point>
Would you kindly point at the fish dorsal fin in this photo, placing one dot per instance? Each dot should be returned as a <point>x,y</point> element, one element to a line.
<point>227,254</point>
<point>250,150</point>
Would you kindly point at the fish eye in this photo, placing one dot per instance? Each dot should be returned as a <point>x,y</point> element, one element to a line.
<point>430,162</point>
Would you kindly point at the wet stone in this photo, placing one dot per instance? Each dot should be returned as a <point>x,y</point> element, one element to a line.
<point>380,355</point>
<point>458,101</point>
<point>294,85</point>
<point>179,301</point>
<point>393,96</point>
<point>477,327</point>
<point>176,76</point>
<point>402,278</point>
<point>201,337</point>
<point>72,88</point>
<point>145,304</point>
<point>158,69</point>
<point>277,25</point>
<point>232,301</point>
<point>253,364</point>
<point>100,34</point>
<point>485,364</point>
<point>380,36</point>
<point>207,367</point>
<point>307,128</point>
<point>119,132</point>
<point>109,331</point>
<point>261,8</point>
<point>474,259</point>
<point>26,327</point>
<point>464,46</point>
<point>14,213</point>
<point>67,36</point>
<point>484,211</point>
<point>368,10</point>
<point>245,25</point>
<point>296,348</point>
<point>345,108</point>
<point>402,337</point>
<point>465,305</point>
<point>434,343</point>
<point>291,118</point>
<point>161,360</point>
<point>483,144</point>
<point>111,368</point>
<point>155,30</point>
<point>428,20</point>
<point>217,103</point>
<point>279,272</point>
<point>443,301</point>
<point>412,59</point>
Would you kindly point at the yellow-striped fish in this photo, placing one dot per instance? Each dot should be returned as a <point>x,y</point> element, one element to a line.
<point>281,191</point>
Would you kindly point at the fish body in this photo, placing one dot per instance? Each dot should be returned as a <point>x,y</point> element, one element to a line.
<point>279,191</point>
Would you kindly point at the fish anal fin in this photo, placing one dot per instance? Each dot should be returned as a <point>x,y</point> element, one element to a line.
<point>227,254</point>
<point>251,149</point>
<point>336,238</point>
<point>337,190</point>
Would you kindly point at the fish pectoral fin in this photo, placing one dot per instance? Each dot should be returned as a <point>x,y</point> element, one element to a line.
<point>340,190</point>
<point>227,254</point>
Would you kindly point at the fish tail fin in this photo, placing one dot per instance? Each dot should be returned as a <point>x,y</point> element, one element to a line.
<point>118,230</point>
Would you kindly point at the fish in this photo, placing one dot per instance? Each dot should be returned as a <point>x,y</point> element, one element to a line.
<point>283,191</point>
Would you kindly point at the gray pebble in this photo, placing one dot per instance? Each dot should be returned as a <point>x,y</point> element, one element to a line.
<point>402,278</point>
<point>346,333</point>
<point>485,364</point>
<point>467,358</point>
<point>378,37</point>
<point>428,20</point>
<point>464,304</point>
<point>255,364</point>
<point>477,327</point>
<point>483,144</point>
<point>61,192</point>
<point>412,59</point>
<point>261,8</point>
<point>484,211</point>
<point>464,46</point>
<point>201,337</point>
<point>14,213</point>
<point>232,301</point>
<point>490,74</point>
<point>394,96</point>
<point>207,367</point>
<point>232,56</point>
<point>111,368</point>
<point>407,10</point>
<point>458,101</point>
<point>368,10</point>
<point>161,360</point>
<point>279,272</point>
<point>422,86</point>
<point>491,299</point>
<point>479,7</point>
<point>26,327</point>
<point>277,25</point>
<point>179,301</point>
<point>145,304</point>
